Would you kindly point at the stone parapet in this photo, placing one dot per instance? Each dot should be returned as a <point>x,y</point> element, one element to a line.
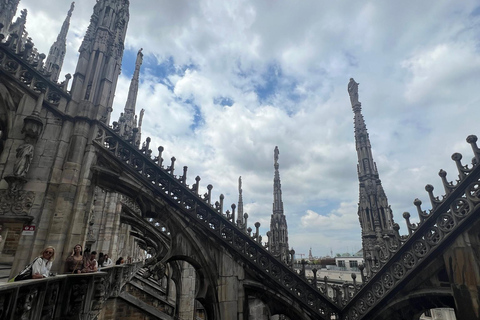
<point>31,79</point>
<point>73,296</point>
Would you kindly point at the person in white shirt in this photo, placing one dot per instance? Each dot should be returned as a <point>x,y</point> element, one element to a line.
<point>41,266</point>
<point>107,262</point>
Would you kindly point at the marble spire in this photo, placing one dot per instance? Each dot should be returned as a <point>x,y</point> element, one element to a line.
<point>374,212</point>
<point>128,120</point>
<point>129,110</point>
<point>240,220</point>
<point>58,49</point>
<point>100,59</point>
<point>278,237</point>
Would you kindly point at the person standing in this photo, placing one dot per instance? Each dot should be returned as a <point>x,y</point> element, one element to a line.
<point>75,263</point>
<point>107,262</point>
<point>101,259</point>
<point>91,264</point>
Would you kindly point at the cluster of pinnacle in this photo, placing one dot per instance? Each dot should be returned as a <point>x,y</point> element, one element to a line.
<point>19,41</point>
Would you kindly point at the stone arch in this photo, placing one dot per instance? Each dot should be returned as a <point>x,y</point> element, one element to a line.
<point>197,257</point>
<point>277,305</point>
<point>413,305</point>
<point>257,308</point>
<point>185,244</point>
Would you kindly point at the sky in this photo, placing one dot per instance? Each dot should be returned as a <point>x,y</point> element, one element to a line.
<point>224,82</point>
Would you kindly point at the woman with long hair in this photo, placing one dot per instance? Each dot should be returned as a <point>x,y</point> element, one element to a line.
<point>107,262</point>
<point>41,266</point>
<point>101,259</point>
<point>75,262</point>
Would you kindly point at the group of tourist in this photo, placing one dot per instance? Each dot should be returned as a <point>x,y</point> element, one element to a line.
<point>78,262</point>
<point>85,262</point>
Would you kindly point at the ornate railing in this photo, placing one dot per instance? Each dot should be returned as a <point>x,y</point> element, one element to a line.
<point>29,73</point>
<point>398,261</point>
<point>235,238</point>
<point>437,228</point>
<point>76,296</point>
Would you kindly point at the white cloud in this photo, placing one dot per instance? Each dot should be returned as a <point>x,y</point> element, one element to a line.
<point>436,72</point>
<point>343,217</point>
<point>419,82</point>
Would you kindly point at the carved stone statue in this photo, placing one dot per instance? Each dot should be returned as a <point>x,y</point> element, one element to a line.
<point>23,160</point>
<point>353,92</point>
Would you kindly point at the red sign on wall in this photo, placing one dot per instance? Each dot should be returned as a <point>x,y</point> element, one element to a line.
<point>28,230</point>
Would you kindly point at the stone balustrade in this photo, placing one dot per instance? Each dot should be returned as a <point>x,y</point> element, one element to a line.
<point>73,296</point>
<point>33,80</point>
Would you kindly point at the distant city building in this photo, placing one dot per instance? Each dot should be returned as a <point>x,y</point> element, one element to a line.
<point>348,263</point>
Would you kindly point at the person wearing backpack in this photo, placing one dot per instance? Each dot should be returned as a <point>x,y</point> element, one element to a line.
<point>41,266</point>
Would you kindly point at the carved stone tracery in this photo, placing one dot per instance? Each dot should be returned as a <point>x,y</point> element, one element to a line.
<point>131,204</point>
<point>17,203</point>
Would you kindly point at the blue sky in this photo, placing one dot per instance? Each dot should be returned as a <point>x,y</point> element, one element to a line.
<point>223,83</point>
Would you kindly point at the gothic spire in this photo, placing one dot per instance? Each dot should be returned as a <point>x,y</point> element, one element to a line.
<point>374,212</point>
<point>100,59</point>
<point>18,28</point>
<point>240,203</point>
<point>277,187</point>
<point>133,90</point>
<point>128,120</point>
<point>57,51</point>
<point>8,9</point>
<point>278,238</point>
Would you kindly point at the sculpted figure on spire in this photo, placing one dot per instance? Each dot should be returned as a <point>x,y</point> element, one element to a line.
<point>275,157</point>
<point>353,92</point>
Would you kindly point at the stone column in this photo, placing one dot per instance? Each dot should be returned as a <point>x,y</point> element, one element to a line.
<point>230,290</point>
<point>107,231</point>
<point>186,303</point>
<point>257,309</point>
<point>169,285</point>
<point>462,261</point>
<point>115,232</point>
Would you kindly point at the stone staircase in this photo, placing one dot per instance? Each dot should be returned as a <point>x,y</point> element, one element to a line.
<point>141,298</point>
